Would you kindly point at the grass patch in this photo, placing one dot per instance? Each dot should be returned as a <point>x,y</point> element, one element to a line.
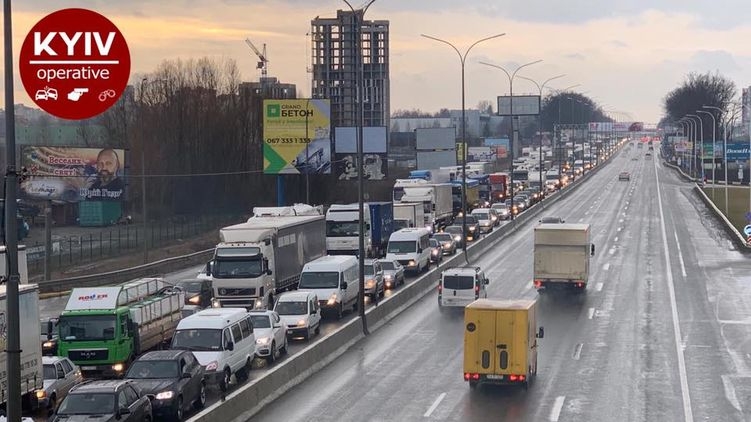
<point>738,203</point>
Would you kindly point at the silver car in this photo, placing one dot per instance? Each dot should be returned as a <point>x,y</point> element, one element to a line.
<point>374,278</point>
<point>60,375</point>
<point>393,273</point>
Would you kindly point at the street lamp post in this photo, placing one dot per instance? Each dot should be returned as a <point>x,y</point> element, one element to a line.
<point>463,59</point>
<point>714,153</point>
<point>701,141</point>
<point>725,158</point>
<point>540,88</point>
<point>144,83</point>
<point>356,16</point>
<point>691,130</point>
<point>513,126</point>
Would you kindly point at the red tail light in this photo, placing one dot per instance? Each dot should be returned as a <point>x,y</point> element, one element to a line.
<point>521,377</point>
<point>538,283</point>
<point>513,377</point>
<point>477,288</point>
<point>475,377</point>
<point>440,288</point>
<point>466,376</point>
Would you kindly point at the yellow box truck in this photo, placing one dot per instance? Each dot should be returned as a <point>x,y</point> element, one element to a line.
<point>500,342</point>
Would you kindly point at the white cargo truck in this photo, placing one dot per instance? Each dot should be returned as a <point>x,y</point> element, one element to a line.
<point>262,257</point>
<point>408,215</point>
<point>23,266</point>
<point>31,348</point>
<point>438,206</point>
<point>562,255</point>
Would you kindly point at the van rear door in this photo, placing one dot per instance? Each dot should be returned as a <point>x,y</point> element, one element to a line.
<point>461,289</point>
<point>511,342</point>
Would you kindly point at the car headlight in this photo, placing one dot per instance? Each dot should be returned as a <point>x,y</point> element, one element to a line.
<point>41,394</point>
<point>118,367</point>
<point>212,366</point>
<point>388,276</point>
<point>472,228</point>
<point>302,323</point>
<point>458,238</point>
<point>262,341</point>
<point>332,299</point>
<point>446,245</point>
<point>216,304</point>
<point>370,283</point>
<point>435,252</point>
<point>47,344</point>
<point>195,300</point>
<point>165,395</point>
<point>412,263</point>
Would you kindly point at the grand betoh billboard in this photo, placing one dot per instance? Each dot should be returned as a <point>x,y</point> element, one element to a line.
<point>73,174</point>
<point>296,136</point>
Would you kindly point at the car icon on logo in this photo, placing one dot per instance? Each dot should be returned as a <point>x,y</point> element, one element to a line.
<point>46,94</point>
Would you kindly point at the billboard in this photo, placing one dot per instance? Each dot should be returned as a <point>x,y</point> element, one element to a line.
<point>484,154</point>
<point>375,166</point>
<point>436,159</point>
<point>296,136</point>
<point>524,105</point>
<point>73,174</point>
<point>738,151</point>
<point>681,143</point>
<point>435,138</point>
<point>501,146</point>
<point>373,140</point>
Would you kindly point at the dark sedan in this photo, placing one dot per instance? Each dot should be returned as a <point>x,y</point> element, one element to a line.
<point>456,232</point>
<point>174,378</point>
<point>197,292</point>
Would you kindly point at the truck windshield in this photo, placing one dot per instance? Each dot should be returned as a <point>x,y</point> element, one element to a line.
<point>319,280</point>
<point>455,282</point>
<point>231,268</point>
<point>87,327</point>
<point>200,339</point>
<point>404,246</point>
<point>342,228</point>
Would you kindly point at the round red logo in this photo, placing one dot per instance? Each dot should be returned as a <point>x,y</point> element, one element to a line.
<point>74,64</point>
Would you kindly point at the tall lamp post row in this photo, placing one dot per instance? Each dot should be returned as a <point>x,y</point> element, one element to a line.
<point>462,60</point>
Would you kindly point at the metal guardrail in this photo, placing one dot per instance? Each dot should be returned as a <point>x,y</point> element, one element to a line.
<point>126,274</point>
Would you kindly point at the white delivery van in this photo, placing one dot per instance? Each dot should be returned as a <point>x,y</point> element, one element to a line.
<point>461,286</point>
<point>301,312</point>
<point>334,279</point>
<point>222,340</point>
<point>411,248</point>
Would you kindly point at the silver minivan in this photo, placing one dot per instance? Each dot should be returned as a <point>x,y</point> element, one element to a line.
<point>461,286</point>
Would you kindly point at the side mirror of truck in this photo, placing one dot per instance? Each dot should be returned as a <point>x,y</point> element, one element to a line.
<point>49,329</point>
<point>541,333</point>
<point>230,346</point>
<point>592,250</point>
<point>344,285</point>
<point>208,268</point>
<point>486,281</point>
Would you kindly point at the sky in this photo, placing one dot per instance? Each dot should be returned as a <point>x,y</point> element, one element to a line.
<point>625,55</point>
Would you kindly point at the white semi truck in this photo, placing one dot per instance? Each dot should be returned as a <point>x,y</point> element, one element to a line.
<point>262,257</point>
<point>31,349</point>
<point>438,206</point>
<point>408,214</point>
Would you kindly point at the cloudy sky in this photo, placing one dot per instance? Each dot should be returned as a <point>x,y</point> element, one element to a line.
<point>626,55</point>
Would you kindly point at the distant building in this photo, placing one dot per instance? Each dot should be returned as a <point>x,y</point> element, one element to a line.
<point>334,76</point>
<point>269,88</point>
<point>409,124</point>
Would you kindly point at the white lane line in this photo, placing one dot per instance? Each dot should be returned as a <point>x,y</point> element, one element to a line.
<point>581,219</point>
<point>557,407</point>
<point>578,351</point>
<point>680,255</point>
<point>590,313</point>
<point>606,267</point>
<point>611,251</point>
<point>598,287</point>
<point>434,405</point>
<point>687,412</point>
<point>616,239</point>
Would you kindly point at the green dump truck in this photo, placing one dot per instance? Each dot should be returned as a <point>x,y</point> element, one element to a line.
<point>103,329</point>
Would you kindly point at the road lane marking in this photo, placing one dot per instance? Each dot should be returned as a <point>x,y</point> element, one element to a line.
<point>578,351</point>
<point>611,251</point>
<point>680,255</point>
<point>616,239</point>
<point>434,405</point>
<point>606,267</point>
<point>590,313</point>
<point>598,287</point>
<point>687,412</point>
<point>557,407</point>
<point>581,219</point>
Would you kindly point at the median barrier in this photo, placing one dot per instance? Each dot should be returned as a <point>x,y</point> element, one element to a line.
<point>249,399</point>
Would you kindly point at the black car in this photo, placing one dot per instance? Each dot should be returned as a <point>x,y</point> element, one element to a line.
<point>174,378</point>
<point>197,292</point>
<point>48,336</point>
<point>104,401</point>
<point>456,232</point>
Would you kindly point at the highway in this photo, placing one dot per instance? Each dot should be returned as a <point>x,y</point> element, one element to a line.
<point>661,334</point>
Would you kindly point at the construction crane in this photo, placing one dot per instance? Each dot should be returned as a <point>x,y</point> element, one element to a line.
<point>263,62</point>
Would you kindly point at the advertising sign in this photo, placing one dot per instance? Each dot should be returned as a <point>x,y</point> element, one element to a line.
<point>501,146</point>
<point>524,105</point>
<point>435,138</point>
<point>73,174</point>
<point>296,136</point>
<point>485,154</point>
<point>738,151</point>
<point>375,166</point>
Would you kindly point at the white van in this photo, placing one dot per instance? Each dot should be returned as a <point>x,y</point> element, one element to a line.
<point>301,312</point>
<point>485,218</point>
<point>411,247</point>
<point>335,280</point>
<point>222,340</point>
<point>461,286</point>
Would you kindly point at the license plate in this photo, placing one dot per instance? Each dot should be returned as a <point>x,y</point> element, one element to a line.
<point>88,368</point>
<point>494,377</point>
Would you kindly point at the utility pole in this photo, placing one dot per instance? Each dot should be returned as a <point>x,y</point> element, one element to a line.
<point>13,345</point>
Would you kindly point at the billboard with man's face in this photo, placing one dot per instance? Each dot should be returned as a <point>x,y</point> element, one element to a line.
<point>73,174</point>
